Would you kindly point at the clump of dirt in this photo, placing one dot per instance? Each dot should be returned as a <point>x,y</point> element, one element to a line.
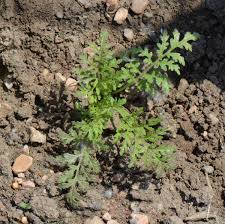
<point>40,44</point>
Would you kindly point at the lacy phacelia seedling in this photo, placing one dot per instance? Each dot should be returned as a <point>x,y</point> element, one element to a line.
<point>104,83</point>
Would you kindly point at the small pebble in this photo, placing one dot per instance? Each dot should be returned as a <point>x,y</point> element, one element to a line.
<point>8,84</point>
<point>28,184</point>
<point>139,219</point>
<point>21,175</point>
<point>26,149</point>
<point>15,185</point>
<point>108,194</point>
<point>59,14</point>
<point>135,187</point>
<point>51,171</point>
<point>138,6</point>
<point>107,217</point>
<point>22,163</point>
<point>24,220</point>
<point>205,134</point>
<point>208,169</point>
<point>71,84</point>
<point>128,34</point>
<point>36,136</point>
<point>121,15</point>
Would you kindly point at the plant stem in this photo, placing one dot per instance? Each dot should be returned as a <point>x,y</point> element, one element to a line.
<point>78,170</point>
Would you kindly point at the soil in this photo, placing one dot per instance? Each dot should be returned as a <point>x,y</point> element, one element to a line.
<point>47,34</point>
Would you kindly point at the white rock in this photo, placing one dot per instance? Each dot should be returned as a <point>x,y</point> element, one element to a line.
<point>208,169</point>
<point>139,6</point>
<point>21,175</point>
<point>121,15</point>
<point>36,136</point>
<point>205,134</point>
<point>128,34</point>
<point>26,149</point>
<point>107,217</point>
<point>8,84</point>
<point>24,220</point>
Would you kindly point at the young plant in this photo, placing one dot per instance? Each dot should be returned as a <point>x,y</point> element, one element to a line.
<point>104,82</point>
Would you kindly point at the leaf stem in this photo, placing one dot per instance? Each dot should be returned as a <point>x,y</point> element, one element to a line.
<point>78,169</point>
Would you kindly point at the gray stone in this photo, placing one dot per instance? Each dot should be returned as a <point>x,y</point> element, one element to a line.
<point>59,14</point>
<point>108,194</point>
<point>208,169</point>
<point>128,34</point>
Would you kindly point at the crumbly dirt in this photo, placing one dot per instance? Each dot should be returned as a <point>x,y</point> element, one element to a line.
<point>51,34</point>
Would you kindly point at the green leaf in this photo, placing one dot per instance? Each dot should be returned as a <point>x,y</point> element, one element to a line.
<point>25,206</point>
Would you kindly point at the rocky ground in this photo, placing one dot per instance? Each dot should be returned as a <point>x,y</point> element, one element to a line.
<point>40,43</point>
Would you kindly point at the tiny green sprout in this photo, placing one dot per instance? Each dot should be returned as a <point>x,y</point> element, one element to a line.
<point>25,206</point>
<point>104,83</point>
